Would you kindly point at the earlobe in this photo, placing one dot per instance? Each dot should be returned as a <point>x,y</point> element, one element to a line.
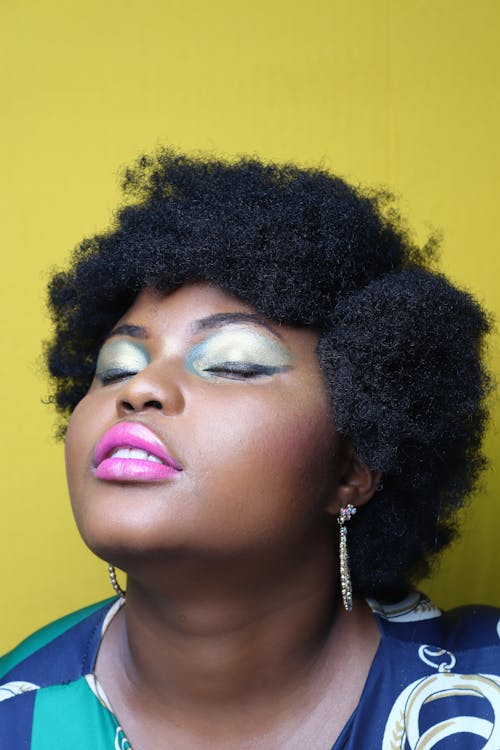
<point>358,483</point>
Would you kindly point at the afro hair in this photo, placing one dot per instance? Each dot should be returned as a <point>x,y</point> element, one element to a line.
<point>400,345</point>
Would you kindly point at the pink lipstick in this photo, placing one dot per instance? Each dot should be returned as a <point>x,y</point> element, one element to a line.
<point>131,452</point>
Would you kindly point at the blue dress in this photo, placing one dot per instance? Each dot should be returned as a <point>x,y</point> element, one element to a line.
<point>434,684</point>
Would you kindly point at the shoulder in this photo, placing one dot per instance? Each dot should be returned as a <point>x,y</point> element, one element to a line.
<point>472,626</point>
<point>435,680</point>
<point>58,652</point>
<point>417,620</point>
<point>44,681</point>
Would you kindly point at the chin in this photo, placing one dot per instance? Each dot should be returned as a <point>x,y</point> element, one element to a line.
<point>116,540</point>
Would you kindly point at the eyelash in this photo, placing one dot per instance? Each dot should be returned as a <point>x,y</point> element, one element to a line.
<point>112,376</point>
<point>239,370</point>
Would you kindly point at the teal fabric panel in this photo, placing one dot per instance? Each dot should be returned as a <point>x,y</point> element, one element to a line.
<point>70,717</point>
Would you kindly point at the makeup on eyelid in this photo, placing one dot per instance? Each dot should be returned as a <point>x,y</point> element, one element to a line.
<point>121,355</point>
<point>237,346</point>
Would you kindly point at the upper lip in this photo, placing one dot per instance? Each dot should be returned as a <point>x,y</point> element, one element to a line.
<point>132,435</point>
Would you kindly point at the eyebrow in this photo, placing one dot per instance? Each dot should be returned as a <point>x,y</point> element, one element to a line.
<point>135,332</point>
<point>219,320</point>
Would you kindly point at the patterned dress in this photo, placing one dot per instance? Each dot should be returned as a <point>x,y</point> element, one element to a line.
<point>434,684</point>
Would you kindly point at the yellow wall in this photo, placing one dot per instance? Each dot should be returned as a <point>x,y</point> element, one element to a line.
<point>400,92</point>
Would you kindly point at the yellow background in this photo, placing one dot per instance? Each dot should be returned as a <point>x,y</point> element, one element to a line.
<point>397,92</point>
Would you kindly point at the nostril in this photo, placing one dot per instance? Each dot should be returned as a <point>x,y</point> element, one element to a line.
<point>151,404</point>
<point>154,404</point>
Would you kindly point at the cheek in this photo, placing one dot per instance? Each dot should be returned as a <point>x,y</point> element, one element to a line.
<point>289,445</point>
<point>73,444</point>
<point>272,465</point>
<point>83,426</point>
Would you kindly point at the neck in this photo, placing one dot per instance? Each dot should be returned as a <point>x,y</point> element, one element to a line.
<point>215,638</point>
<point>220,662</point>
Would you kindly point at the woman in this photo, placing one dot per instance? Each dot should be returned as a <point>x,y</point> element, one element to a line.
<point>260,369</point>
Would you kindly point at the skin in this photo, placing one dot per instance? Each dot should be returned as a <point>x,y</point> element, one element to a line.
<point>231,635</point>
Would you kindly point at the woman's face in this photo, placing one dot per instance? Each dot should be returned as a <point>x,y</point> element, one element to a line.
<point>229,422</point>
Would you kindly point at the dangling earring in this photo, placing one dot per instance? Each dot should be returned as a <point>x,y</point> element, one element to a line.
<point>112,577</point>
<point>345,573</point>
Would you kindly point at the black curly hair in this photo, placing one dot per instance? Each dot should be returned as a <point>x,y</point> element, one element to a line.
<point>400,346</point>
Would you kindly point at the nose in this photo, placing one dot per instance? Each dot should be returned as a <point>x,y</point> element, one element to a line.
<point>152,388</point>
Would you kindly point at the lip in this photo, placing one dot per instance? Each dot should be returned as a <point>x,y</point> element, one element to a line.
<point>122,469</point>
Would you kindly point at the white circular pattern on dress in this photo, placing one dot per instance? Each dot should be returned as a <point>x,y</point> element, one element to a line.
<point>442,660</point>
<point>403,725</point>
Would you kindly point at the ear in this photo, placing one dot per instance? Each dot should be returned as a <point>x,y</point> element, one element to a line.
<point>357,483</point>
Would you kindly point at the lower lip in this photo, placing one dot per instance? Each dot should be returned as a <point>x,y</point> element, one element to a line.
<point>133,470</point>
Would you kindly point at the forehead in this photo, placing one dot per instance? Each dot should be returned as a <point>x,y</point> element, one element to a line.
<point>191,301</point>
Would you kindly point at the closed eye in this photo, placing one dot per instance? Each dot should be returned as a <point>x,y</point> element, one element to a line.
<point>243,370</point>
<point>114,375</point>
<point>120,359</point>
<point>237,352</point>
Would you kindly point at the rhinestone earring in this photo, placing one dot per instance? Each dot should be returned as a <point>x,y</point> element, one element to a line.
<point>112,577</point>
<point>345,572</point>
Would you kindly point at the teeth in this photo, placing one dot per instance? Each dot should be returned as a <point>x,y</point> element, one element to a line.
<point>136,453</point>
<point>154,459</point>
<point>121,453</point>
